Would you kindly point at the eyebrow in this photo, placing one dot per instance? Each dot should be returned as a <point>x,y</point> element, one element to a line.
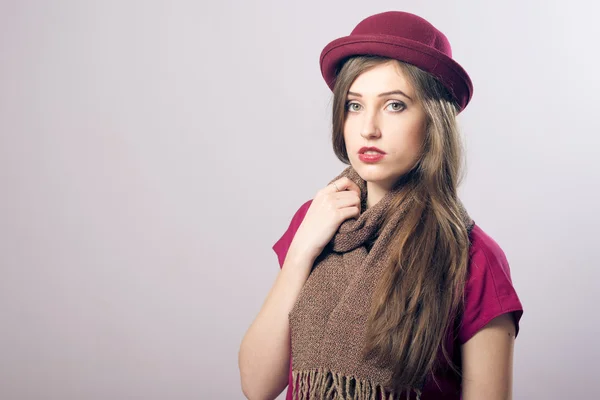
<point>384,94</point>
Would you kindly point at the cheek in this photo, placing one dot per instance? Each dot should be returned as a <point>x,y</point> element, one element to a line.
<point>420,140</point>
<point>350,137</point>
<point>347,129</point>
<point>407,145</point>
<point>415,136</point>
<point>417,140</point>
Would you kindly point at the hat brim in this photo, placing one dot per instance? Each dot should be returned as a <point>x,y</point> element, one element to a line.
<point>448,71</point>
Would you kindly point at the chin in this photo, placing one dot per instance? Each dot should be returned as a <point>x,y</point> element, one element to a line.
<point>379,174</point>
<point>371,172</point>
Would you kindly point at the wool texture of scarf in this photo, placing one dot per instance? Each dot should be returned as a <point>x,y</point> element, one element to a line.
<point>328,319</point>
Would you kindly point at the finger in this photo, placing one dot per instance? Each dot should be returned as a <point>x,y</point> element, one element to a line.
<point>345,183</point>
<point>333,187</point>
<point>345,198</point>
<point>348,212</point>
<point>341,184</point>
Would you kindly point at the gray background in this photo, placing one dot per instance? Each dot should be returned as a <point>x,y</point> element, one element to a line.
<point>153,151</point>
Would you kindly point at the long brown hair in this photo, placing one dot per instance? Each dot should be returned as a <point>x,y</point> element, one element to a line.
<point>421,292</point>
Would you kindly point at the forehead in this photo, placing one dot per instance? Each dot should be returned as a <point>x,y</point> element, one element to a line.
<point>381,78</point>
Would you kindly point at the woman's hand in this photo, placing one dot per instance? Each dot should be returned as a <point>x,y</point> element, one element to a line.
<point>326,213</point>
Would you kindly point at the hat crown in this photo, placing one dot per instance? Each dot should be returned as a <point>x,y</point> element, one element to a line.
<point>404,25</point>
<point>405,37</point>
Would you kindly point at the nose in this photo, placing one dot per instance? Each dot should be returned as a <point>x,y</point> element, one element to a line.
<point>370,129</point>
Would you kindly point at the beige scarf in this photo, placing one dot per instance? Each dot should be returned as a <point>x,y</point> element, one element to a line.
<point>328,320</point>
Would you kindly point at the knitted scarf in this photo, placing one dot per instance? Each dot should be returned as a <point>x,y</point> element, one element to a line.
<point>328,320</point>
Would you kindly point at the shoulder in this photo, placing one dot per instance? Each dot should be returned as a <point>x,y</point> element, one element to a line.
<point>489,290</point>
<point>488,260</point>
<point>486,253</point>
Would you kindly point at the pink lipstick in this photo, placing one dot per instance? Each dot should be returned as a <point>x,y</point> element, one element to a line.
<point>370,154</point>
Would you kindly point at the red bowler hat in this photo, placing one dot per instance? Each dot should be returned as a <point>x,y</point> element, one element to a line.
<point>405,37</point>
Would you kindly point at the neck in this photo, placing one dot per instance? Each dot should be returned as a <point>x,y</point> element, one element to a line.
<point>375,192</point>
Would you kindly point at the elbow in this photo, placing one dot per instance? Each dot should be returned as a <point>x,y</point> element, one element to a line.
<point>245,380</point>
<point>248,390</point>
<point>255,388</point>
<point>248,382</point>
<point>263,376</point>
<point>252,391</point>
<point>247,393</point>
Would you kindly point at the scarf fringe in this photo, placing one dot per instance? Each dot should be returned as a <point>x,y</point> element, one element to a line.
<point>324,384</point>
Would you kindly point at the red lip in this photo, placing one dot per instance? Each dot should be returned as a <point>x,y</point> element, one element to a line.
<point>363,149</point>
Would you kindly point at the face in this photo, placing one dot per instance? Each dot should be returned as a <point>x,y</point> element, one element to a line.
<point>382,111</point>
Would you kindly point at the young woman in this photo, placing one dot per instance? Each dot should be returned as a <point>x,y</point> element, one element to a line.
<point>388,289</point>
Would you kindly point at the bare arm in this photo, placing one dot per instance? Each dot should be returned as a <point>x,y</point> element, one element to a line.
<point>264,352</point>
<point>264,355</point>
<point>488,361</point>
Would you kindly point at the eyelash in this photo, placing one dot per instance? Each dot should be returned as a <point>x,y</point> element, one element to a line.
<point>349,103</point>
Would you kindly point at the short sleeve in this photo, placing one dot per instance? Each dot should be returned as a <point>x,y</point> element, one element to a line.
<point>283,243</point>
<point>489,290</point>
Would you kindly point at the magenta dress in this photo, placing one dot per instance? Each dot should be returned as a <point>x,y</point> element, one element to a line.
<point>489,293</point>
